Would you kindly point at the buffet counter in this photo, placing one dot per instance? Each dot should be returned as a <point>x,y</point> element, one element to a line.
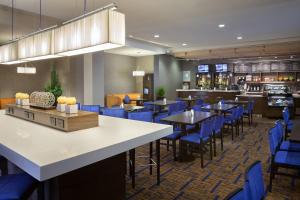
<point>209,96</point>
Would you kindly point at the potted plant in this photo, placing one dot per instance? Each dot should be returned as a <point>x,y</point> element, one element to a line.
<point>54,87</point>
<point>160,93</point>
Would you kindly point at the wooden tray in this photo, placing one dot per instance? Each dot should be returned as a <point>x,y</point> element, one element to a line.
<point>55,119</point>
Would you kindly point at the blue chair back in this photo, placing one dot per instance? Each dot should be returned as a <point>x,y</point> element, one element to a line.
<point>141,116</point>
<point>115,112</point>
<point>273,141</point>
<point>237,194</point>
<point>197,108</point>
<point>173,108</point>
<point>280,130</point>
<point>286,115</point>
<point>206,128</point>
<point>159,116</point>
<point>247,193</point>
<point>181,106</point>
<point>250,106</point>
<point>254,176</point>
<point>91,108</point>
<point>126,99</point>
<point>199,102</point>
<point>218,123</point>
<point>240,111</point>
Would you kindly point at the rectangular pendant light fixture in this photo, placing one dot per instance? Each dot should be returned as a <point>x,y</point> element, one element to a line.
<point>138,73</point>
<point>9,54</point>
<point>96,32</point>
<point>37,46</point>
<point>26,70</point>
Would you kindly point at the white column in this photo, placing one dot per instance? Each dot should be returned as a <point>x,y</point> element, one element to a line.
<point>88,79</point>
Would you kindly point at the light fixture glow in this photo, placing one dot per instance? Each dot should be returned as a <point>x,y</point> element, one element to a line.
<point>291,57</point>
<point>156,36</point>
<point>100,31</point>
<point>239,37</point>
<point>26,70</point>
<point>138,73</point>
<point>184,44</point>
<point>221,25</point>
<point>9,54</point>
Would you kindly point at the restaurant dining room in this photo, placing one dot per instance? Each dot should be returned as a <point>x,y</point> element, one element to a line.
<point>149,100</point>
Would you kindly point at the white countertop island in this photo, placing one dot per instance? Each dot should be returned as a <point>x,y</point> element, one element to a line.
<point>45,153</point>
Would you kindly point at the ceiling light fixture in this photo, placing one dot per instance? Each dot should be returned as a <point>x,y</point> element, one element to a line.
<point>184,44</point>
<point>221,25</point>
<point>275,57</point>
<point>138,73</point>
<point>131,36</point>
<point>291,57</point>
<point>26,70</point>
<point>156,36</point>
<point>239,37</point>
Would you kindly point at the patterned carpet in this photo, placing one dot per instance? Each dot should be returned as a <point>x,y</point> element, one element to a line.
<point>219,177</point>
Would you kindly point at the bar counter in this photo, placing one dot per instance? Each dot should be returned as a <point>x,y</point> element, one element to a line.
<point>89,163</point>
<point>210,96</point>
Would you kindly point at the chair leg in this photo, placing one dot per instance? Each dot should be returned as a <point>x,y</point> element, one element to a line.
<point>158,161</point>
<point>242,122</point>
<point>174,149</point>
<point>201,154</point>
<point>211,148</point>
<point>232,132</point>
<point>215,144</point>
<point>271,178</point>
<point>168,143</point>
<point>249,119</point>
<point>221,135</point>
<point>3,166</point>
<point>150,157</point>
<point>41,191</point>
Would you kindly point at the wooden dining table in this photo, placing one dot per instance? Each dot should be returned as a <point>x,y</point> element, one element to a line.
<point>238,102</point>
<point>295,133</point>
<point>139,101</point>
<point>184,119</point>
<point>219,108</point>
<point>189,101</point>
<point>161,104</point>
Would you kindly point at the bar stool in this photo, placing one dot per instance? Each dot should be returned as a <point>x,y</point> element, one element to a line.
<point>17,186</point>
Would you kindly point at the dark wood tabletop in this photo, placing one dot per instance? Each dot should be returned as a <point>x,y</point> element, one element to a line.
<point>219,108</point>
<point>236,102</point>
<point>188,99</point>
<point>295,133</point>
<point>186,118</point>
<point>162,103</point>
<point>130,108</point>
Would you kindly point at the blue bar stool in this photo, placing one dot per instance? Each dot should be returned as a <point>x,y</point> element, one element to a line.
<point>17,186</point>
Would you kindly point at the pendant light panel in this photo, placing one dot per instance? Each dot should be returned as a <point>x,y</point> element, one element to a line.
<point>9,54</point>
<point>96,32</point>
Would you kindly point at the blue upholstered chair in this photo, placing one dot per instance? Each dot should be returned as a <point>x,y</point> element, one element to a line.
<point>285,145</point>
<point>240,116</point>
<point>237,194</point>
<point>126,99</point>
<point>287,122</point>
<point>200,138</point>
<point>254,176</point>
<point>172,137</point>
<point>146,116</point>
<point>232,121</point>
<point>115,112</point>
<point>17,186</point>
<point>199,102</point>
<point>279,158</point>
<point>218,131</point>
<point>248,112</point>
<point>91,108</point>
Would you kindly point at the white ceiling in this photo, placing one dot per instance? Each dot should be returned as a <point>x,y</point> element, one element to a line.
<point>194,22</point>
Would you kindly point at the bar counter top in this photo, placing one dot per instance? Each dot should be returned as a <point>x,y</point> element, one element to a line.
<point>199,90</point>
<point>45,152</point>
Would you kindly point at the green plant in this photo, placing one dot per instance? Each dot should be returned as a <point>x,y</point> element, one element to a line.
<point>54,87</point>
<point>160,92</point>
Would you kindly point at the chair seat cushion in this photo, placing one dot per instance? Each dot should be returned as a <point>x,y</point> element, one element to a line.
<point>14,186</point>
<point>194,138</point>
<point>288,158</point>
<point>174,136</point>
<point>290,146</point>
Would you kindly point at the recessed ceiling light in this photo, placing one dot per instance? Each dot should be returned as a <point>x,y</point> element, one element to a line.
<point>239,37</point>
<point>221,25</point>
<point>156,36</point>
<point>184,44</point>
<point>275,57</point>
<point>131,36</point>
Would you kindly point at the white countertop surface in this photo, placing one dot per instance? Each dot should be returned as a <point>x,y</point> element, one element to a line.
<point>45,153</point>
<point>191,90</point>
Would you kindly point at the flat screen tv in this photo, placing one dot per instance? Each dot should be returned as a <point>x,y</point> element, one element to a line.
<point>203,68</point>
<point>221,68</point>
